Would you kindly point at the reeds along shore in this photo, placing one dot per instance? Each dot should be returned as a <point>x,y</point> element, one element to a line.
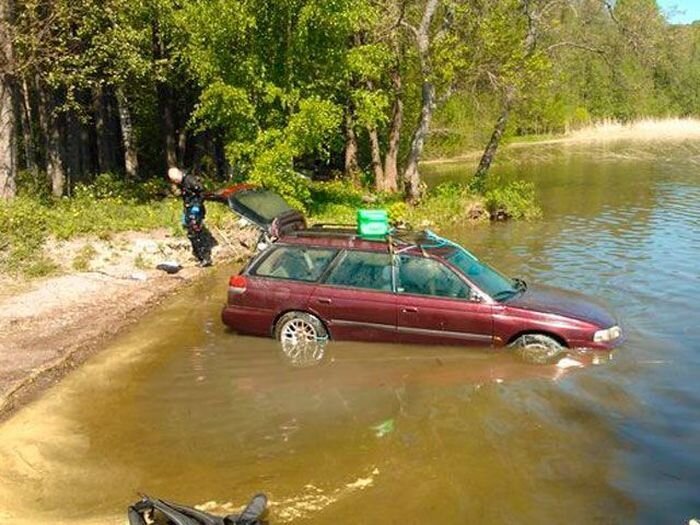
<point>644,129</point>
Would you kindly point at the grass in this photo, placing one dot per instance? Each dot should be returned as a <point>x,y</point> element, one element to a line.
<point>81,262</point>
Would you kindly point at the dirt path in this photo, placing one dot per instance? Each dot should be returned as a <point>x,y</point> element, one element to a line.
<point>50,326</point>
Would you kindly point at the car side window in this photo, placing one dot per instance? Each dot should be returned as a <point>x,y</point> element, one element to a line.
<point>424,276</point>
<point>297,263</point>
<point>363,270</point>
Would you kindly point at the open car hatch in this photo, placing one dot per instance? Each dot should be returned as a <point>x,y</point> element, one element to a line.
<point>264,208</point>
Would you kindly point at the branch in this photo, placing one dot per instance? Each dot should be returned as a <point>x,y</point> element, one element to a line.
<point>413,29</point>
<point>577,46</point>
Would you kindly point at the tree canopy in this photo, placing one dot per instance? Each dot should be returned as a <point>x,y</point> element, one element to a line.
<point>279,91</point>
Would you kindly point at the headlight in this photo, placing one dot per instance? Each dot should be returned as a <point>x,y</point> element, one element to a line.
<point>603,336</point>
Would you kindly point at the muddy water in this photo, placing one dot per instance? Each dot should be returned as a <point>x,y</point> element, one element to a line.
<point>183,409</point>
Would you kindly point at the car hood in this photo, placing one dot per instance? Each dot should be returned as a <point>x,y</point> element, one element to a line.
<point>552,300</point>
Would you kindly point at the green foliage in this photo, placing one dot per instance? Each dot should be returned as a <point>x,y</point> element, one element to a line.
<point>311,129</point>
<point>227,108</point>
<point>447,204</point>
<point>274,169</point>
<point>515,200</point>
<point>271,84</point>
<point>24,225</point>
<point>107,207</point>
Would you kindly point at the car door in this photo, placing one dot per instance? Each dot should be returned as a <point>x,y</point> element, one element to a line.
<point>356,299</point>
<point>437,306</point>
<point>281,280</point>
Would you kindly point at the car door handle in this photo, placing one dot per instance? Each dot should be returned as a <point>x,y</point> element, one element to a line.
<point>325,300</point>
<point>409,310</point>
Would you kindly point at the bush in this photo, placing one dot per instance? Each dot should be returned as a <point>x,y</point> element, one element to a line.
<point>338,202</point>
<point>23,228</point>
<point>274,170</point>
<point>515,200</point>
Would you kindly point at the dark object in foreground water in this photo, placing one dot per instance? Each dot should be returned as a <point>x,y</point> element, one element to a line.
<point>168,513</point>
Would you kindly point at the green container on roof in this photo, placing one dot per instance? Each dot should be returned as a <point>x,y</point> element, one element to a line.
<point>372,223</point>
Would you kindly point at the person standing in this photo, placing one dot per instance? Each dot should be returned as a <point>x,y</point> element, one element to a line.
<point>193,196</point>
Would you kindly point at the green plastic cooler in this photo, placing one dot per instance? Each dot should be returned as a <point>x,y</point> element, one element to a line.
<point>372,223</point>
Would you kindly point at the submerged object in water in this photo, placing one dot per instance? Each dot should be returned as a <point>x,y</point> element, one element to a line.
<point>168,513</point>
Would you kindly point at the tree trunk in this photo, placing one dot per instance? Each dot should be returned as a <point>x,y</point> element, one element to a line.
<point>170,138</point>
<point>28,134</point>
<point>222,167</point>
<point>376,159</point>
<point>529,45</point>
<point>131,160</point>
<point>52,135</point>
<point>165,100</point>
<point>495,140</point>
<point>391,159</point>
<point>411,176</point>
<point>74,165</point>
<point>352,169</point>
<point>108,144</point>
<point>8,156</point>
<point>182,151</point>
<point>54,160</point>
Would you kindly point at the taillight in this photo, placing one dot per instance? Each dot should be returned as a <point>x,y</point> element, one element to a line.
<point>237,284</point>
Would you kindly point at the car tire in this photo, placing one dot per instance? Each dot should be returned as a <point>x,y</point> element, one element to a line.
<point>302,338</point>
<point>538,349</point>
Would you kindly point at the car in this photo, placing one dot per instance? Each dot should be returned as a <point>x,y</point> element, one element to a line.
<point>309,284</point>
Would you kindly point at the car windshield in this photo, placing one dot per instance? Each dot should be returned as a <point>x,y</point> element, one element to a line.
<point>489,280</point>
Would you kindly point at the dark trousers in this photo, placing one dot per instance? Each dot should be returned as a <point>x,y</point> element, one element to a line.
<point>198,235</point>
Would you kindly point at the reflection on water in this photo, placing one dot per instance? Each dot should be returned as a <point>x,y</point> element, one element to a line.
<point>183,409</point>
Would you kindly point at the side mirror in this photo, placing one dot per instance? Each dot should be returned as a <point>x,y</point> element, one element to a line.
<point>474,297</point>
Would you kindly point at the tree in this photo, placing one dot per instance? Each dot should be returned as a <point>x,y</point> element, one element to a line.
<point>510,61</point>
<point>8,163</point>
<point>422,34</point>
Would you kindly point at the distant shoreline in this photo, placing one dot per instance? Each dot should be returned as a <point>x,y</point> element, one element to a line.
<point>645,130</point>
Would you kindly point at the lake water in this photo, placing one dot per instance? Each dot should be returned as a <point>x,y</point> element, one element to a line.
<point>182,409</point>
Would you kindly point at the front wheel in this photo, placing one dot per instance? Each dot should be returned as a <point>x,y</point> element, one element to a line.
<point>538,349</point>
<point>303,338</point>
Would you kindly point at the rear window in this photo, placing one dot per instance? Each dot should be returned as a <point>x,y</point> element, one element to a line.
<point>297,263</point>
<point>264,203</point>
<point>363,270</point>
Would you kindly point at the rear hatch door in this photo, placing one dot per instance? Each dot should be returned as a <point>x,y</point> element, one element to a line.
<point>264,208</point>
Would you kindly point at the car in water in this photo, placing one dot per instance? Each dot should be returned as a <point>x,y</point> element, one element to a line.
<point>308,284</point>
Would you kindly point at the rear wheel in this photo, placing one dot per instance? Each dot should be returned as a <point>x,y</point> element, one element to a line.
<point>303,338</point>
<point>538,349</point>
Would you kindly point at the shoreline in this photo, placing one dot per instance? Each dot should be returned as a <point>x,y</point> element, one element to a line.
<point>51,326</point>
<point>647,130</point>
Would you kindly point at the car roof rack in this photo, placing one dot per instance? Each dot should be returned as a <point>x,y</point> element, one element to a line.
<point>326,229</point>
<point>404,238</point>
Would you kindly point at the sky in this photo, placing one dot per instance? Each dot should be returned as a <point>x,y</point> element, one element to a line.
<point>681,11</point>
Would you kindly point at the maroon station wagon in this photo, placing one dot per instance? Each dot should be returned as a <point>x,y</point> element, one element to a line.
<point>308,284</point>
